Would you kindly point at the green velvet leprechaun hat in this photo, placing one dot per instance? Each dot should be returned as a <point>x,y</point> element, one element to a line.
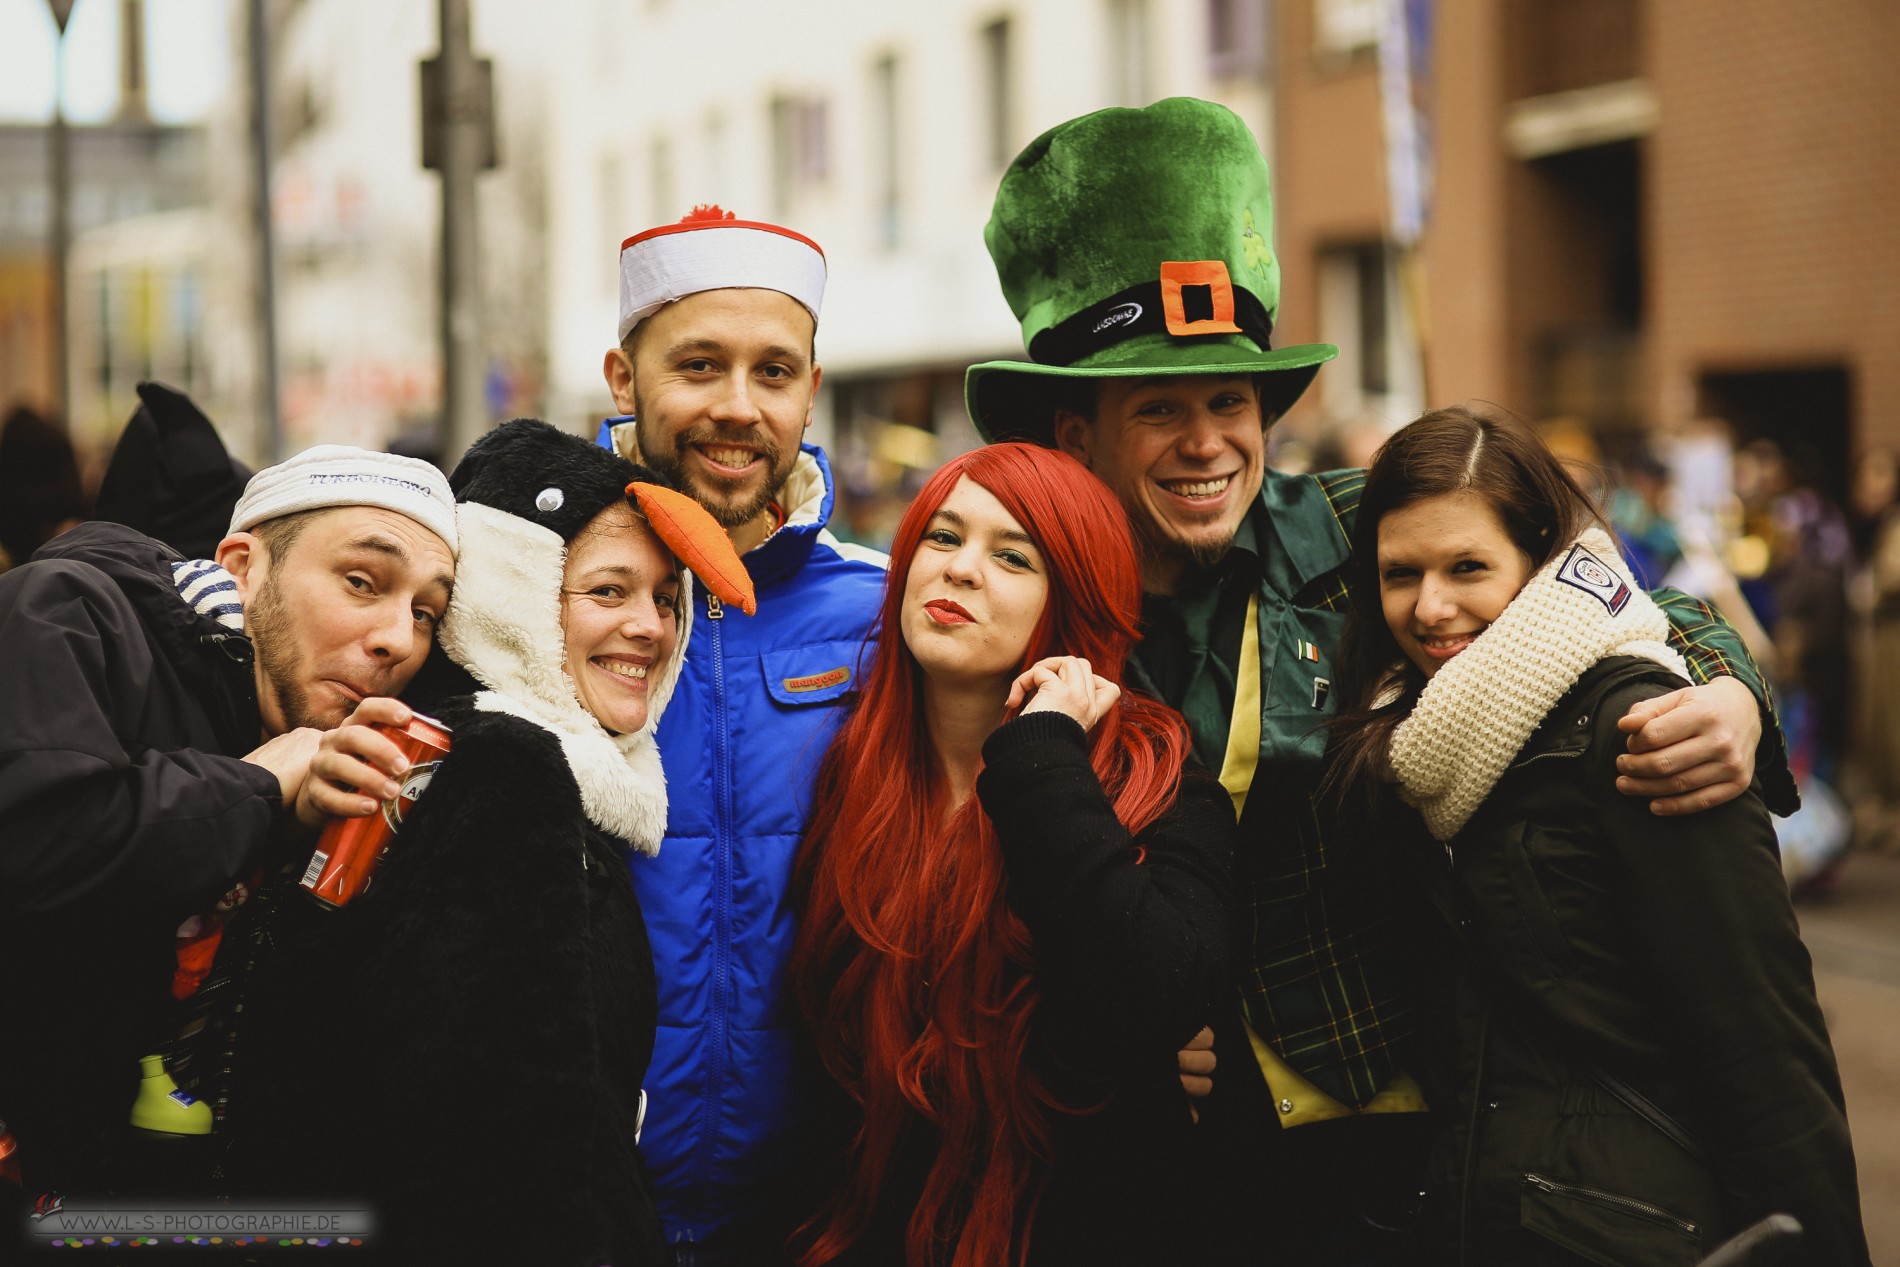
<point>1136,242</point>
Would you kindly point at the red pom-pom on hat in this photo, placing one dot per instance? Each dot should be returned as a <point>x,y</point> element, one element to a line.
<point>706,211</point>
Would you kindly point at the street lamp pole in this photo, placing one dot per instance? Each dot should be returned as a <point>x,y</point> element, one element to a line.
<point>463,139</point>
<point>62,235</point>
<point>272,448</point>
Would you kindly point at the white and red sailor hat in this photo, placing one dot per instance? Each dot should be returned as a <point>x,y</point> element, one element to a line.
<point>711,249</point>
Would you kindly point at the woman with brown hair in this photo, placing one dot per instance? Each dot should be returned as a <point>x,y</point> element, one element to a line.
<point>1626,1056</point>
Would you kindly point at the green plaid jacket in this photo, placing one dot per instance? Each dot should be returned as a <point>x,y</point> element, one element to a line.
<point>1318,980</point>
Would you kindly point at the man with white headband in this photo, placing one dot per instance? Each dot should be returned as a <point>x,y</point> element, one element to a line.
<point>159,720</point>
<point>715,376</point>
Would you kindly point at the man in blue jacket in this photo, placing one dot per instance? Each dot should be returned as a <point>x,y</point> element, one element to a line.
<point>716,367</point>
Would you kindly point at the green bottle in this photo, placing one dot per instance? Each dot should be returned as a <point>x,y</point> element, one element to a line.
<point>162,1107</point>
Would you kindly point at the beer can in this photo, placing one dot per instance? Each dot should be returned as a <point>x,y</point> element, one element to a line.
<point>350,848</point>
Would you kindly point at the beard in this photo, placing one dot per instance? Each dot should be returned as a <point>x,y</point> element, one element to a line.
<point>269,618</point>
<point>1202,554</point>
<point>729,509</point>
<point>1206,554</point>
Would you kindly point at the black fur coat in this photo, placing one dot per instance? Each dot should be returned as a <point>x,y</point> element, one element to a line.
<point>463,1045</point>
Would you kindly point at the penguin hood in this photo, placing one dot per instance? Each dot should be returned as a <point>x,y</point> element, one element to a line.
<point>523,494</point>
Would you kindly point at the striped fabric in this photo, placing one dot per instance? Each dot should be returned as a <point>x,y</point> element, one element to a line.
<point>210,591</point>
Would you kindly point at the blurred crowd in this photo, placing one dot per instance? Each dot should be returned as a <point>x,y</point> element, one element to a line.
<point>167,474</point>
<point>1812,584</point>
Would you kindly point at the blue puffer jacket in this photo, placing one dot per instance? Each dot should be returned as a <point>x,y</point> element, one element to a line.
<point>741,742</point>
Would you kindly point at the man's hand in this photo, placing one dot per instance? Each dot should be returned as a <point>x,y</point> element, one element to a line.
<point>1196,1061</point>
<point>1692,749</point>
<point>355,768</point>
<point>288,757</point>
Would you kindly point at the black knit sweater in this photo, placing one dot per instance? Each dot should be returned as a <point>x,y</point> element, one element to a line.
<point>1130,941</point>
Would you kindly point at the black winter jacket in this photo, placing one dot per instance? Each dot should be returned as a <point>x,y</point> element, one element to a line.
<point>1572,934</point>
<point>124,810</point>
<point>463,1045</point>
<point>1131,941</point>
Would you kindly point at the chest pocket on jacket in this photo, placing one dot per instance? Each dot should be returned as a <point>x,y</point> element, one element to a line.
<point>1298,687</point>
<point>823,673</point>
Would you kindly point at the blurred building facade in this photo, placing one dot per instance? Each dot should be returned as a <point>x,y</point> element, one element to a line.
<point>1645,211</point>
<point>879,130</point>
<point>129,315</point>
<point>357,218</point>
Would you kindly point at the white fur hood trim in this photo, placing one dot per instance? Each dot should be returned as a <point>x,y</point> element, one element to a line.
<point>1478,709</point>
<point>504,627</point>
<point>802,496</point>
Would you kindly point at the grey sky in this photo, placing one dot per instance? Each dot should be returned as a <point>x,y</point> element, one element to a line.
<point>188,57</point>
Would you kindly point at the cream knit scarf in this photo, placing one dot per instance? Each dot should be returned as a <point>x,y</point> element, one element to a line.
<point>1478,709</point>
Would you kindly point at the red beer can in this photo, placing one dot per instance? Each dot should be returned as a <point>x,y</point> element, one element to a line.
<point>349,849</point>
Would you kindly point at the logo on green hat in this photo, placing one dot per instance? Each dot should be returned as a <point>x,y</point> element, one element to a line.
<point>1119,315</point>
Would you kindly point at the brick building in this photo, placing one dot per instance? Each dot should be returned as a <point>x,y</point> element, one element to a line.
<point>1645,211</point>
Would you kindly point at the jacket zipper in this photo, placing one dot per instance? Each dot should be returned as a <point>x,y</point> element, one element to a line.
<point>1547,753</point>
<point>1614,1200</point>
<point>1471,1147</point>
<point>722,898</point>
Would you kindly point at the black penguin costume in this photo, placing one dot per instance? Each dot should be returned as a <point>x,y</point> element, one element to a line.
<point>488,1006</point>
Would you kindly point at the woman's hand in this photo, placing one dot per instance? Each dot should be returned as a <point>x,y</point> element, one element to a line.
<point>1065,684</point>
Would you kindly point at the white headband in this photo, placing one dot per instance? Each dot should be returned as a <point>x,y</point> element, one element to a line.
<point>711,251</point>
<point>342,475</point>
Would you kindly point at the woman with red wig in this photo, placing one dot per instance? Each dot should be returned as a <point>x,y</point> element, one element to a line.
<point>1012,892</point>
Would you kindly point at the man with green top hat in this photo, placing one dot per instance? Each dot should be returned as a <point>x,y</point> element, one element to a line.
<point>1135,248</point>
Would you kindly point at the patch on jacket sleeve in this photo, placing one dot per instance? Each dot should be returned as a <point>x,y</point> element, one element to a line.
<point>1595,577</point>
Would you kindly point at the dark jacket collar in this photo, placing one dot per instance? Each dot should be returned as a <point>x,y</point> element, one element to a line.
<point>1299,536</point>
<point>214,661</point>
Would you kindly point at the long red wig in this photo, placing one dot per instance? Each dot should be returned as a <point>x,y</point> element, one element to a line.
<point>915,977</point>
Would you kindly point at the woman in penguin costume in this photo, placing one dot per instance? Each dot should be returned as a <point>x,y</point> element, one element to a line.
<point>463,1045</point>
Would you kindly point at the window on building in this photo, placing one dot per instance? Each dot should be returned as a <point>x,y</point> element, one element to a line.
<point>1129,81</point>
<point>801,147</point>
<point>1370,272</point>
<point>999,96</point>
<point>188,319</point>
<point>1236,38</point>
<point>815,141</point>
<point>886,175</point>
<point>783,134</point>
<point>1379,373</point>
